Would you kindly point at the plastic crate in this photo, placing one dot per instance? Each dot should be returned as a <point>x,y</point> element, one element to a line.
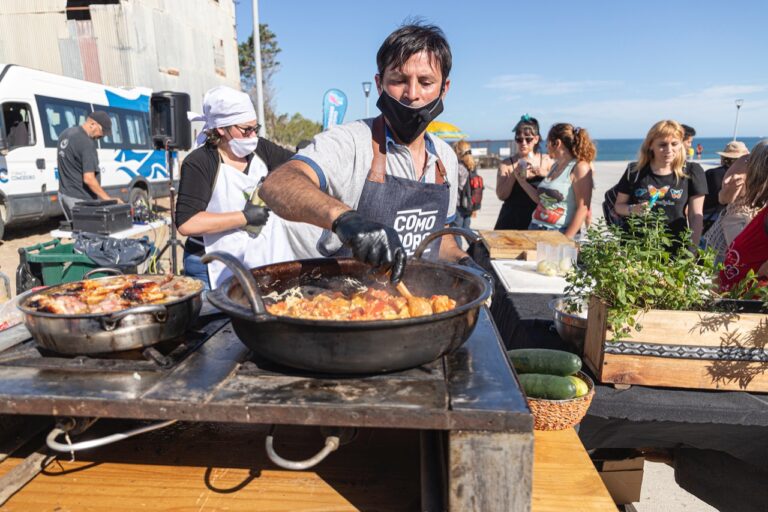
<point>51,263</point>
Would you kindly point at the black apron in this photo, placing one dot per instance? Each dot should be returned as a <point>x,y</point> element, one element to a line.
<point>415,209</point>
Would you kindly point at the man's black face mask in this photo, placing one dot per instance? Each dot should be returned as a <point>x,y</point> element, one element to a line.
<point>408,122</point>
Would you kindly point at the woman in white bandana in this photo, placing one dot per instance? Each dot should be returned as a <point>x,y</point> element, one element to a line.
<point>217,180</point>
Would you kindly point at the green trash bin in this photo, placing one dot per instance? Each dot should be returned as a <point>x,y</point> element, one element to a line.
<point>51,263</point>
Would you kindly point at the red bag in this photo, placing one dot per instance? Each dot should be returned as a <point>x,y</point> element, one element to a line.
<point>471,198</point>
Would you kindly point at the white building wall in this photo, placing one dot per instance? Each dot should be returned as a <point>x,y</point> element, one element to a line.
<point>178,45</point>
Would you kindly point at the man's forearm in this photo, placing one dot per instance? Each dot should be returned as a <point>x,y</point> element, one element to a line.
<point>292,195</point>
<point>95,187</point>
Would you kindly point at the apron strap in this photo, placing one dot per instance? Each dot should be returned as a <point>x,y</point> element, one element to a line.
<point>379,165</point>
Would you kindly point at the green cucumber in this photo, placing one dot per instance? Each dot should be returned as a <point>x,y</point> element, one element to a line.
<point>551,387</point>
<point>542,360</point>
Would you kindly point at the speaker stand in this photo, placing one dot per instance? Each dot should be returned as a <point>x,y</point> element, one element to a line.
<point>173,242</point>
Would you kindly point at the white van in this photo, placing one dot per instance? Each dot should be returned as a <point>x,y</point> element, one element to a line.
<point>38,106</point>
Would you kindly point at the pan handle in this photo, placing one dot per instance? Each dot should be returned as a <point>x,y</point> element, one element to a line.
<point>103,270</point>
<point>243,276</point>
<point>331,444</point>
<point>470,235</point>
<point>108,323</point>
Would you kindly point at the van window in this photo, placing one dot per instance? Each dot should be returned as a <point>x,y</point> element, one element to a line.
<point>138,129</point>
<point>130,129</point>
<point>116,138</point>
<point>19,130</point>
<point>57,115</point>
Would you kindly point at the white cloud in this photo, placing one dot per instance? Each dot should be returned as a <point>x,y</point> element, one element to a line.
<point>538,85</point>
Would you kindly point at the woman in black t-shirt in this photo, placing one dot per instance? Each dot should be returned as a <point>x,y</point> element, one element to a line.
<point>663,180</point>
<point>517,208</point>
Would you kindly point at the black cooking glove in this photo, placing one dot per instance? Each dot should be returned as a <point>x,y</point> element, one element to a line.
<point>255,215</point>
<point>372,243</point>
<point>468,262</point>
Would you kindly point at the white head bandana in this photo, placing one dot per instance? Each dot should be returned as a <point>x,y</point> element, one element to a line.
<point>223,106</point>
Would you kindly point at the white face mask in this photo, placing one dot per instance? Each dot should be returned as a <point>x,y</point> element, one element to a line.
<point>243,147</point>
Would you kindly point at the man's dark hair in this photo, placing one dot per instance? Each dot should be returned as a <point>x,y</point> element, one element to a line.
<point>411,39</point>
<point>688,131</point>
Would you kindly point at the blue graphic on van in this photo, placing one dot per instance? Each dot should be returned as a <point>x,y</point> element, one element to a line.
<point>3,175</point>
<point>151,163</point>
<point>141,103</point>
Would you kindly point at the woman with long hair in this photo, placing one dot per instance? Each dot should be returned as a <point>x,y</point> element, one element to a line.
<point>563,197</point>
<point>467,164</point>
<point>517,207</point>
<point>749,250</point>
<point>661,178</point>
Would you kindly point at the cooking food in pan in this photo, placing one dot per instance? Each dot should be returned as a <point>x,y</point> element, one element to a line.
<point>370,304</point>
<point>109,295</point>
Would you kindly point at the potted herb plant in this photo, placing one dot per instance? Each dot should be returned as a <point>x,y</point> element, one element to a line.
<point>655,317</point>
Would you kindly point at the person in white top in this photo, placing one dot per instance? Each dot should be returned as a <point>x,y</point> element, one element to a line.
<point>217,182</point>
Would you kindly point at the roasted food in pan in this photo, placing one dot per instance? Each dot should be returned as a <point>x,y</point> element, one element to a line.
<point>370,304</point>
<point>109,295</point>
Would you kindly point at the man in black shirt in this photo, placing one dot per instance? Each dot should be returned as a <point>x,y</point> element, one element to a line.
<point>78,161</point>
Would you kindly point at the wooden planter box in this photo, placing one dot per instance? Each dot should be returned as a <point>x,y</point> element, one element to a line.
<point>681,349</point>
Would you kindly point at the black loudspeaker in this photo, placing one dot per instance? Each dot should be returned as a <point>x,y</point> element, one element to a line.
<point>170,127</point>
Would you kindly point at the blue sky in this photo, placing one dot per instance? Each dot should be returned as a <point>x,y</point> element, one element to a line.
<point>614,67</point>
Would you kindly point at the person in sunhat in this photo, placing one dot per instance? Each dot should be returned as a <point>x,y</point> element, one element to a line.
<point>712,207</point>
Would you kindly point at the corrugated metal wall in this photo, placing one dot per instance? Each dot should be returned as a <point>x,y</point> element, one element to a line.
<point>180,45</point>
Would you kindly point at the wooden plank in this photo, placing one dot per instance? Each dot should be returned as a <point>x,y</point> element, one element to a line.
<point>514,244</point>
<point>490,471</point>
<point>595,336</point>
<point>685,373</point>
<point>507,244</point>
<point>564,477</point>
<point>699,328</point>
<point>23,473</point>
<point>208,467</point>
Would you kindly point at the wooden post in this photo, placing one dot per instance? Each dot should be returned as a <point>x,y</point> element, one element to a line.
<point>490,471</point>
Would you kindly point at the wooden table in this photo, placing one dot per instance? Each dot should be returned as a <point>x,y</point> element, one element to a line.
<point>213,467</point>
<point>564,477</point>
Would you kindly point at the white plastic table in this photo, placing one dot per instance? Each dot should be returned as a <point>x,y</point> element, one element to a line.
<point>136,229</point>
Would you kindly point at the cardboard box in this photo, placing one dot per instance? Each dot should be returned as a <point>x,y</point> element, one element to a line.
<point>623,478</point>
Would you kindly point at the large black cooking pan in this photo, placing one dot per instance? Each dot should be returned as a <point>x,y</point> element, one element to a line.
<point>348,346</point>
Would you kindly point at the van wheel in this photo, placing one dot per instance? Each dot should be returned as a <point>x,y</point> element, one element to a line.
<point>139,200</point>
<point>137,196</point>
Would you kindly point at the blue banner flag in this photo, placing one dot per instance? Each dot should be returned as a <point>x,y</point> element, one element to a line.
<point>334,107</point>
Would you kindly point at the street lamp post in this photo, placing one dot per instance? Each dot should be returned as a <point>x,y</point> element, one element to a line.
<point>739,103</point>
<point>367,92</point>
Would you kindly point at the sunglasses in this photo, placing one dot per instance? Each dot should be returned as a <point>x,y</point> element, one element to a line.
<point>247,131</point>
<point>527,140</point>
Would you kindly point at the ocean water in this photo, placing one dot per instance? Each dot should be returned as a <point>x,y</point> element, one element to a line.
<point>626,149</point>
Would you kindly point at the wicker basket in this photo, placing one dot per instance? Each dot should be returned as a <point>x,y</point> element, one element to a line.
<point>561,414</point>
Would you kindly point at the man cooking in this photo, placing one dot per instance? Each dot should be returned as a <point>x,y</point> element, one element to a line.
<point>379,186</point>
<point>78,161</point>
